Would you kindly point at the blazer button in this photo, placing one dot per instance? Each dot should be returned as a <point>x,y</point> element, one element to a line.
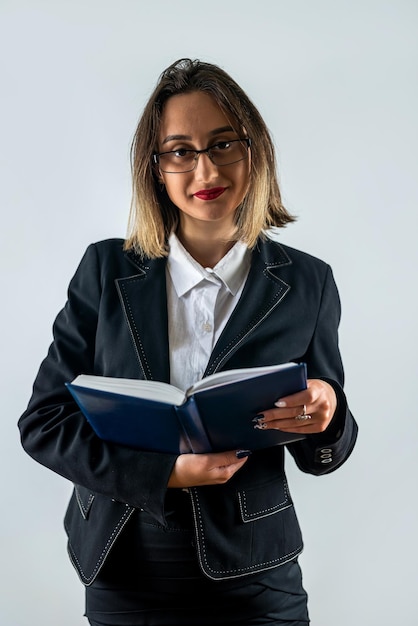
<point>324,455</point>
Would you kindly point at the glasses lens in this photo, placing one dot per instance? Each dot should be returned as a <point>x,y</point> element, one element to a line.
<point>178,161</point>
<point>228,152</point>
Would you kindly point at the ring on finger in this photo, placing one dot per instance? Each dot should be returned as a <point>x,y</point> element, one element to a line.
<point>302,417</point>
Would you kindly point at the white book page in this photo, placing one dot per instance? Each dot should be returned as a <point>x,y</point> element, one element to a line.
<point>223,378</point>
<point>146,389</point>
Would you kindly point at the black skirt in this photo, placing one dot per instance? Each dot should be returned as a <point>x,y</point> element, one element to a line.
<point>152,578</point>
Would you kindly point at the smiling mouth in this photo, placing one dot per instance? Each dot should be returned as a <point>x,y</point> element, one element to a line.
<point>209,194</point>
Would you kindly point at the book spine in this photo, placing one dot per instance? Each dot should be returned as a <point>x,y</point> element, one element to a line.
<point>195,432</point>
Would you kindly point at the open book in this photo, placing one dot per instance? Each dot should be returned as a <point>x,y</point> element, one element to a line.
<point>214,415</point>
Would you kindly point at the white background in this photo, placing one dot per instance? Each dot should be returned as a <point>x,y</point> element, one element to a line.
<point>336,82</point>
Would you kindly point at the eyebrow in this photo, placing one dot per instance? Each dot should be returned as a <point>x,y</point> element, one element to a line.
<point>215,131</point>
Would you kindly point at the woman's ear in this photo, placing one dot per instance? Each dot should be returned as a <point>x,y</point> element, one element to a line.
<point>159,177</point>
<point>158,174</point>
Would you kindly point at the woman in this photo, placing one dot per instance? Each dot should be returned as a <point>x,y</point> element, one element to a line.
<point>197,287</point>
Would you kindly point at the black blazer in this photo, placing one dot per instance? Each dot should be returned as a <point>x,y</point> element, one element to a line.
<point>115,324</point>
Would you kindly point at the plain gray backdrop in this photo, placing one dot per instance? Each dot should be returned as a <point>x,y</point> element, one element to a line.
<point>336,82</point>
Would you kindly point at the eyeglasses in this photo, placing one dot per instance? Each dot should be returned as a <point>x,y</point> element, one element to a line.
<point>221,153</point>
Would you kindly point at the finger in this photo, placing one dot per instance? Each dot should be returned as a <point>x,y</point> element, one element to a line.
<point>283,414</point>
<point>295,400</point>
<point>214,460</point>
<point>290,425</point>
<point>221,458</point>
<point>307,396</point>
<point>307,428</point>
<point>192,470</point>
<point>226,466</point>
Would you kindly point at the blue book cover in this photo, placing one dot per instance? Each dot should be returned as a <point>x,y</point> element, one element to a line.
<point>214,415</point>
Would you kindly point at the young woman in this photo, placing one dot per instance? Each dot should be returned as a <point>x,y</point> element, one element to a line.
<point>198,286</point>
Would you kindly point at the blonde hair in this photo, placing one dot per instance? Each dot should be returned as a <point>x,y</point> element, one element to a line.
<point>153,216</point>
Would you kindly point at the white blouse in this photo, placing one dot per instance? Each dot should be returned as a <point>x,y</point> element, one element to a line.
<point>200,302</point>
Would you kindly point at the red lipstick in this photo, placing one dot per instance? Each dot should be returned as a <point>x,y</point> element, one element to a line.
<point>209,194</point>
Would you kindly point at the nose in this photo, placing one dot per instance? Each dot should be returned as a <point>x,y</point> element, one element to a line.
<point>205,169</point>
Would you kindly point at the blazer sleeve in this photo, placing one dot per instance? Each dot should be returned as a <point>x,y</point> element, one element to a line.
<point>324,452</point>
<point>54,431</point>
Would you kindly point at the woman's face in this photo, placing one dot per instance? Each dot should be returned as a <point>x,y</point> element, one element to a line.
<point>209,193</point>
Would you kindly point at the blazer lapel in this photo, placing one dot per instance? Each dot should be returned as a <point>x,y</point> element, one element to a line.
<point>263,292</point>
<point>144,301</point>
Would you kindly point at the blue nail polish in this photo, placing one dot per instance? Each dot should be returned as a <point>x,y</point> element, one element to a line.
<point>241,454</point>
<point>258,418</point>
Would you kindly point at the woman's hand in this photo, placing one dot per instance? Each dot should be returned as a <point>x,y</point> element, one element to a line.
<point>195,470</point>
<point>318,401</point>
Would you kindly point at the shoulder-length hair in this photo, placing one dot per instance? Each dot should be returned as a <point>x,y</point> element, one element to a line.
<point>153,217</point>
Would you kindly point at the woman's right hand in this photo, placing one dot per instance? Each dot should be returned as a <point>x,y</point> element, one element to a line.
<point>195,470</point>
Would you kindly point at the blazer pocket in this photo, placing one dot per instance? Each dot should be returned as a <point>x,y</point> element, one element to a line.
<point>84,500</point>
<point>264,500</point>
<point>92,530</point>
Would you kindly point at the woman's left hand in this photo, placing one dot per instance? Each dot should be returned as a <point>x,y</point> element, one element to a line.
<point>309,411</point>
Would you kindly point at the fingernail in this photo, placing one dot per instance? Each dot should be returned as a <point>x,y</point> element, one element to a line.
<point>258,418</point>
<point>280,404</point>
<point>241,454</point>
<point>260,425</point>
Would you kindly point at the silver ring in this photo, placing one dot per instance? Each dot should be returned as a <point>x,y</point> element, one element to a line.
<point>302,417</point>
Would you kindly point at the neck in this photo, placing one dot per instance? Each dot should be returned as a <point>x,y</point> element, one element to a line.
<point>207,246</point>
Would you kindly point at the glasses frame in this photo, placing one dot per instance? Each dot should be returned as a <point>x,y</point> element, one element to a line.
<point>197,153</point>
